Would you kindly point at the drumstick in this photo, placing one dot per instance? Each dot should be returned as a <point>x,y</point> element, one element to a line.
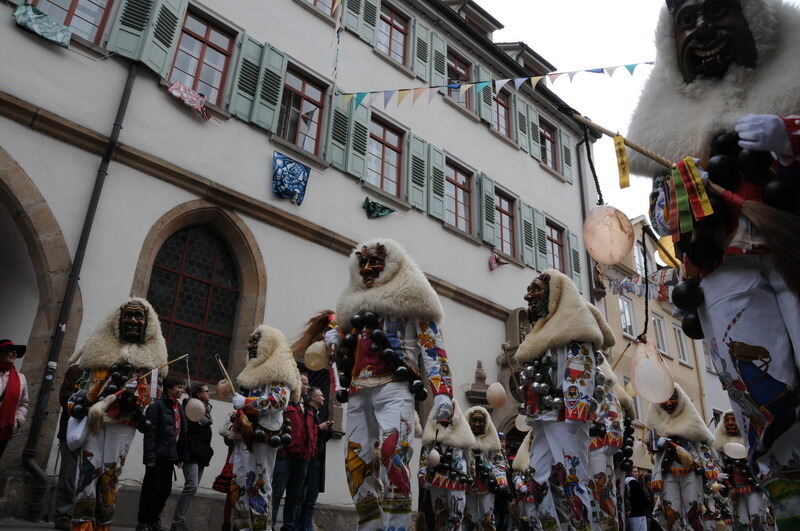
<point>225,372</point>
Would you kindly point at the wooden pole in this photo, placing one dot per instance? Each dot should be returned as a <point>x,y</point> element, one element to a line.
<point>225,372</point>
<point>636,147</point>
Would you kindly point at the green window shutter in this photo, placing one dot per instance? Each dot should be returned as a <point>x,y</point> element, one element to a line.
<point>417,172</point>
<point>162,35</point>
<point>339,133</point>
<point>565,140</point>
<point>521,110</point>
<point>488,227</point>
<point>270,89</point>
<point>358,141</point>
<point>512,118</point>
<point>528,236</point>
<point>422,39</point>
<point>245,86</point>
<point>435,182</point>
<point>369,20</point>
<point>533,133</point>
<point>484,99</point>
<point>575,260</point>
<point>352,15</point>
<point>540,227</point>
<point>438,60</point>
<point>127,33</point>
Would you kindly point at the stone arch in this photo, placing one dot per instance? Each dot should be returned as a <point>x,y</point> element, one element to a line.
<point>52,263</point>
<point>243,246</point>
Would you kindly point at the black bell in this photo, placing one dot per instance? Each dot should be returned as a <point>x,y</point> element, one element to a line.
<point>127,367</point>
<point>275,441</point>
<point>402,373</point>
<point>111,389</point>
<point>388,356</point>
<point>416,386</point>
<point>626,466</point>
<point>357,322</point>
<point>116,377</point>
<point>453,474</point>
<point>704,252</point>
<point>422,395</point>
<point>370,320</point>
<point>627,451</point>
<point>349,341</point>
<point>286,439</point>
<point>259,435</point>
<point>288,428</point>
<point>754,164</point>
<point>687,295</point>
<point>627,441</point>
<point>691,326</point>
<point>781,193</point>
<point>78,411</point>
<point>722,170</point>
<point>342,396</point>
<point>725,144</point>
<point>379,337</point>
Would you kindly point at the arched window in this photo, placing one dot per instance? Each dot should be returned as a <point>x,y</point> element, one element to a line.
<point>195,290</point>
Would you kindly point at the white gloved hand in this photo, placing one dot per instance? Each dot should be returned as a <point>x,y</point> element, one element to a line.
<point>764,132</point>
<point>442,407</point>
<point>332,337</point>
<point>523,489</point>
<point>238,401</point>
<point>662,442</point>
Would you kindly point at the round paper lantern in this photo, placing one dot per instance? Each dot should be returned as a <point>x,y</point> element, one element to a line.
<point>434,458</point>
<point>608,235</point>
<point>521,423</point>
<point>224,390</point>
<point>195,409</point>
<point>496,395</point>
<point>650,377</point>
<point>734,450</point>
<point>666,243</point>
<point>316,357</point>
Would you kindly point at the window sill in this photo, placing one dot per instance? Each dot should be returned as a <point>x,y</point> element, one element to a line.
<point>666,355</point>
<point>552,172</point>
<point>685,364</point>
<point>466,112</point>
<point>504,138</point>
<point>219,112</point>
<point>313,160</point>
<point>316,12</point>
<point>711,371</point>
<point>461,234</point>
<point>628,336</point>
<point>385,196</point>
<point>89,46</point>
<point>399,66</point>
<point>510,259</point>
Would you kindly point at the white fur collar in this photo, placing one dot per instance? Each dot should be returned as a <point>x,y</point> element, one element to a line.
<point>569,319</point>
<point>721,437</point>
<point>273,364</point>
<point>457,434</point>
<point>684,422</point>
<point>522,460</point>
<point>401,291</point>
<point>104,348</point>
<point>676,119</point>
<point>489,441</point>
<point>608,334</point>
<point>608,372</point>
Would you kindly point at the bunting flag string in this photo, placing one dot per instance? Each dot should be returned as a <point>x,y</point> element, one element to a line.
<point>658,287</point>
<point>462,88</point>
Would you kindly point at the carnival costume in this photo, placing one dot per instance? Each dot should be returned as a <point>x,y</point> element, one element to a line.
<point>391,315</point>
<point>625,457</point>
<point>267,383</point>
<point>487,468</point>
<point>682,444</point>
<point>749,316</point>
<point>750,505</point>
<point>527,492</point>
<point>559,381</point>
<point>448,479</point>
<point>118,382</point>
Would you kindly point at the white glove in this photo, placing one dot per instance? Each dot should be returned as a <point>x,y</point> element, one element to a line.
<point>764,132</point>
<point>238,401</point>
<point>523,489</point>
<point>662,442</point>
<point>331,337</point>
<point>442,407</point>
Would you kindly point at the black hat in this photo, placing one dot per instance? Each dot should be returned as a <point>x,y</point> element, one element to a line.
<point>6,345</point>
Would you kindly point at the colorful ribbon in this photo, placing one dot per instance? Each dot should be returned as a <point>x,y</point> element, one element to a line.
<point>622,161</point>
<point>682,207</point>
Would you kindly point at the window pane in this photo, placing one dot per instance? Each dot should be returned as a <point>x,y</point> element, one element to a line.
<point>202,248</point>
<point>293,81</point>
<point>206,367</point>
<point>190,45</point>
<point>182,341</point>
<point>222,310</point>
<point>214,58</point>
<point>221,40</point>
<point>195,26</point>
<point>192,302</point>
<point>55,12</point>
<point>161,292</point>
<point>82,28</point>
<point>171,252</point>
<point>186,63</point>
<point>89,11</point>
<point>313,92</point>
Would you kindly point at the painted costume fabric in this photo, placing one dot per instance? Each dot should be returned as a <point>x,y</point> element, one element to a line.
<point>380,411</point>
<point>487,467</point>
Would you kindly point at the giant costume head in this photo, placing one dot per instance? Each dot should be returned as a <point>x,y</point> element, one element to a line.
<point>457,433</point>
<point>727,431</point>
<point>677,417</point>
<point>480,422</point>
<point>270,361</point>
<point>716,60</point>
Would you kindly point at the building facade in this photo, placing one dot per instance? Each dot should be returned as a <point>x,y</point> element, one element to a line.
<point>187,216</point>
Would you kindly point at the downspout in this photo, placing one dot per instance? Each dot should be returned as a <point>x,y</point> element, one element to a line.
<point>584,212</point>
<point>39,488</point>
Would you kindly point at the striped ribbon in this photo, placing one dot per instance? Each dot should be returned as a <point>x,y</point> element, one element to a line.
<point>706,208</point>
<point>673,213</point>
<point>682,204</point>
<point>691,191</point>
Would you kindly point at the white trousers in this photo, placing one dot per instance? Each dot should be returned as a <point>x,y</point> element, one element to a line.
<point>751,510</point>
<point>252,510</point>
<point>679,505</point>
<point>448,508</point>
<point>603,488</point>
<point>637,523</point>
<point>479,512</point>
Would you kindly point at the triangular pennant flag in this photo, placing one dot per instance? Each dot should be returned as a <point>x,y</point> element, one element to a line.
<point>552,77</point>
<point>417,93</point>
<point>572,75</point>
<point>499,84</point>
<point>373,96</point>
<point>535,80</point>
<point>387,97</point>
<point>610,70</point>
<point>401,95</point>
<point>519,81</point>
<point>595,70</point>
<point>464,88</point>
<point>359,98</point>
<point>482,85</point>
<point>432,92</point>
<point>345,99</point>
<point>631,68</point>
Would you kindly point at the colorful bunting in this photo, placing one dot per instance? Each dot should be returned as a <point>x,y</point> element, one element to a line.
<point>519,81</point>
<point>417,93</point>
<point>359,98</point>
<point>498,84</point>
<point>401,95</point>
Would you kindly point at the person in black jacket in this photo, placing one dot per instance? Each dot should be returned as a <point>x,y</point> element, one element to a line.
<point>199,452</point>
<point>164,447</point>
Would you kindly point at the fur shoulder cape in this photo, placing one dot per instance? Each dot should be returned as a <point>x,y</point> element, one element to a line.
<point>401,291</point>
<point>677,120</point>
<point>523,458</point>
<point>625,401</point>
<point>274,363</point>
<point>721,437</point>
<point>569,319</point>
<point>489,441</point>
<point>457,434</point>
<point>684,422</point>
<point>104,348</point>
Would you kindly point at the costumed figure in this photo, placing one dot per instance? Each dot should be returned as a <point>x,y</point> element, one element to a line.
<point>624,456</point>
<point>444,467</point>
<point>558,382</point>
<point>683,459</point>
<point>527,493</point>
<point>391,315</point>
<point>723,87</point>
<point>487,467</point>
<point>750,506</point>
<point>267,383</point>
<point>119,380</point>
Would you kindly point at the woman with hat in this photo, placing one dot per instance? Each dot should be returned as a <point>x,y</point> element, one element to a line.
<point>13,392</point>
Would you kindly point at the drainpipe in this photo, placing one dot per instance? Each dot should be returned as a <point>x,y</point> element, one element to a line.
<point>39,488</point>
<point>584,212</point>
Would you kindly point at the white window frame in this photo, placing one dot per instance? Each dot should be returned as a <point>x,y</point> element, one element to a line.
<point>626,317</point>
<point>707,357</point>
<point>661,336</point>
<point>637,405</point>
<point>680,340</point>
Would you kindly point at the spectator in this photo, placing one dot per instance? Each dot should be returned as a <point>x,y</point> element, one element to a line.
<point>199,452</point>
<point>164,447</point>
<point>292,461</point>
<point>13,392</point>
<point>65,491</point>
<point>315,474</point>
<point>638,503</point>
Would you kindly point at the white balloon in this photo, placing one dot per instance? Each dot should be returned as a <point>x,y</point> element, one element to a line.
<point>434,458</point>
<point>195,409</point>
<point>496,395</point>
<point>521,423</point>
<point>650,377</point>
<point>608,235</point>
<point>734,450</point>
<point>316,357</point>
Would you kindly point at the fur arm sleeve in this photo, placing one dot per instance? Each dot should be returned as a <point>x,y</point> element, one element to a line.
<point>434,357</point>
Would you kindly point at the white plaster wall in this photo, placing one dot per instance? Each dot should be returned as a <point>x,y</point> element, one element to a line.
<point>715,397</point>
